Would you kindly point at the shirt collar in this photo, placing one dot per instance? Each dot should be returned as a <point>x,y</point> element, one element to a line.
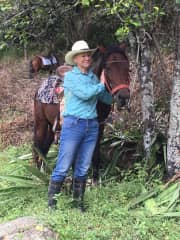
<point>77,70</point>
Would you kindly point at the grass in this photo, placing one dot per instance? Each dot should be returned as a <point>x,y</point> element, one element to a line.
<point>107,217</point>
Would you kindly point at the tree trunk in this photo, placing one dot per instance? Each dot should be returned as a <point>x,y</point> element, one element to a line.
<point>77,25</point>
<point>173,146</point>
<point>146,85</point>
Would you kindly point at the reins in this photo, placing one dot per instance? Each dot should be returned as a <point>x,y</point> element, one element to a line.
<point>115,89</point>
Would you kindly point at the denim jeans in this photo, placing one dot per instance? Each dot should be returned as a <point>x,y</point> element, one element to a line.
<point>77,143</point>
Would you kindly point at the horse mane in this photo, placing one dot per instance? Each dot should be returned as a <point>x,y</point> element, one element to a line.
<point>115,49</point>
<point>98,61</point>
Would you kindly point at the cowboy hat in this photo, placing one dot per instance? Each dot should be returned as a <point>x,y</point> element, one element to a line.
<point>61,70</point>
<point>77,48</point>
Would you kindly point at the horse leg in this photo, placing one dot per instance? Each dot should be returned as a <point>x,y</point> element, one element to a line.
<point>103,112</point>
<point>48,140</point>
<point>96,157</point>
<point>38,140</point>
<point>40,129</point>
<point>56,128</point>
<point>43,140</point>
<point>31,70</point>
<point>96,164</point>
<point>35,75</point>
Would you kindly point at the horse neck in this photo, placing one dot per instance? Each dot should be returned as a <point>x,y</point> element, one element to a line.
<point>98,64</point>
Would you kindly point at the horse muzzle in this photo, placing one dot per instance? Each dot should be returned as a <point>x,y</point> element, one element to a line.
<point>122,99</point>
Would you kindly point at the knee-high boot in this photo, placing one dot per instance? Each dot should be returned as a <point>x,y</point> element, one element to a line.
<point>78,194</point>
<point>53,189</point>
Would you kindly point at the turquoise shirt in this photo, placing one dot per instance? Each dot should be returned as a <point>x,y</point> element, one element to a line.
<point>81,93</point>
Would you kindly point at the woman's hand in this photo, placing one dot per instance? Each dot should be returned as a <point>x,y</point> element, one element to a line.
<point>102,78</point>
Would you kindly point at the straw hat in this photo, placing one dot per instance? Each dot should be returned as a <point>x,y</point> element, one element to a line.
<point>77,48</point>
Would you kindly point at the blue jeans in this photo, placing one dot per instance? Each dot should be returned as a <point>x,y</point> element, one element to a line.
<point>77,143</point>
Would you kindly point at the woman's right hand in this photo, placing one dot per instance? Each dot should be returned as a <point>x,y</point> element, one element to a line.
<point>102,78</point>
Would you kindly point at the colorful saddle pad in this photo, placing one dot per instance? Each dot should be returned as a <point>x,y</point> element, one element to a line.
<point>47,92</point>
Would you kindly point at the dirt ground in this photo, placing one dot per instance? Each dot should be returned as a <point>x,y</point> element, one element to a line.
<point>16,102</point>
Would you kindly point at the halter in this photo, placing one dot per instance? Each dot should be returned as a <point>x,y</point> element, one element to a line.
<point>117,88</point>
<point>107,84</point>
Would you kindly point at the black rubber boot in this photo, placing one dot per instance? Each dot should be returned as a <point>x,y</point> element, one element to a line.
<point>78,194</point>
<point>53,189</point>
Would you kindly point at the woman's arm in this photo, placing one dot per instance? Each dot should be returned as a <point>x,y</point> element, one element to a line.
<point>81,88</point>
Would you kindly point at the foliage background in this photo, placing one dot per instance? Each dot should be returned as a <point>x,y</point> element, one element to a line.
<point>29,27</point>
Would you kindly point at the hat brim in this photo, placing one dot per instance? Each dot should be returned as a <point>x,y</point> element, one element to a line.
<point>71,54</point>
<point>61,70</point>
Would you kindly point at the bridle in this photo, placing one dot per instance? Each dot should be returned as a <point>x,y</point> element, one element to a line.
<point>113,90</point>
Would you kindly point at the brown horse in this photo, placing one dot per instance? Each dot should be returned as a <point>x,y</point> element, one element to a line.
<point>37,63</point>
<point>115,64</point>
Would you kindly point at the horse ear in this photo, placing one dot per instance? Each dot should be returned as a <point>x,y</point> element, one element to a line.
<point>123,45</point>
<point>101,48</point>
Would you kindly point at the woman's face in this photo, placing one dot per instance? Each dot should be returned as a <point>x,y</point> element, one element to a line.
<point>83,61</point>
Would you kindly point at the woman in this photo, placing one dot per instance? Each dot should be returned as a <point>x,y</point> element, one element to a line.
<point>80,127</point>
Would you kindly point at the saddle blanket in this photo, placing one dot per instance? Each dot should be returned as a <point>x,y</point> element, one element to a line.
<point>51,90</point>
<point>48,61</point>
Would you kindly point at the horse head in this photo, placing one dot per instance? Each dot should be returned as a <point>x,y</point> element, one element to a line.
<point>115,65</point>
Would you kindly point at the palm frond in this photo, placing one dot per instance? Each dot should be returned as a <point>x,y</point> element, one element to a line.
<point>20,180</point>
<point>37,173</point>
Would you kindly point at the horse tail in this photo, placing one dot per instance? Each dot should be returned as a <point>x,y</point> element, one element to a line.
<point>31,70</point>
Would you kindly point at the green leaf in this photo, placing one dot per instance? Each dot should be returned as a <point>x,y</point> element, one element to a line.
<point>19,180</point>
<point>139,5</point>
<point>116,155</point>
<point>25,156</point>
<point>36,172</point>
<point>151,206</point>
<point>17,177</point>
<point>115,144</point>
<point>166,194</point>
<point>142,198</point>
<point>136,23</point>
<point>156,9</point>
<point>13,189</point>
<point>171,214</point>
<point>174,198</point>
<point>85,2</point>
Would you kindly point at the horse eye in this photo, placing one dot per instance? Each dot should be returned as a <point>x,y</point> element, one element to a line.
<point>108,69</point>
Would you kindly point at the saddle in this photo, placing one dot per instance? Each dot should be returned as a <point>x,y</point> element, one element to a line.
<point>46,61</point>
<point>51,90</point>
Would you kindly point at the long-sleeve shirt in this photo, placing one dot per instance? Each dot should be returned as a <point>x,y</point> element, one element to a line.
<point>81,92</point>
